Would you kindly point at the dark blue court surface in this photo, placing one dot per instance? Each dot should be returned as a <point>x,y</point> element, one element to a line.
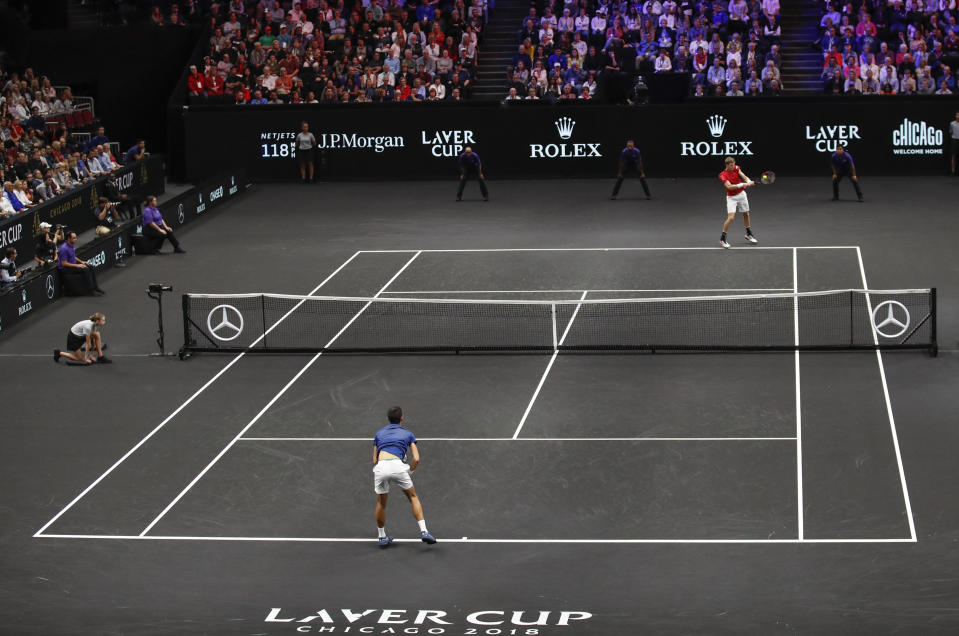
<point>571,492</point>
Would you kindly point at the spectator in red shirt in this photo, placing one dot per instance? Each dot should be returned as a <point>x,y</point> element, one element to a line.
<point>195,83</point>
<point>213,83</point>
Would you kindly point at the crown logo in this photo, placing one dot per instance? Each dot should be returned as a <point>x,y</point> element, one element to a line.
<point>716,125</point>
<point>564,126</point>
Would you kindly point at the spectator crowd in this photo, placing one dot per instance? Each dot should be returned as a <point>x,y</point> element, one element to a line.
<point>271,52</point>
<point>41,158</point>
<point>728,47</point>
<point>897,47</point>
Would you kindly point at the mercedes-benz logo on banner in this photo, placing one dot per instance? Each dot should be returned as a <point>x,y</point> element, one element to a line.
<point>180,214</point>
<point>225,322</point>
<point>890,319</point>
<point>50,287</point>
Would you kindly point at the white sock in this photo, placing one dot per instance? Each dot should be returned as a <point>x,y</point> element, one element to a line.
<point>381,532</point>
<point>422,523</point>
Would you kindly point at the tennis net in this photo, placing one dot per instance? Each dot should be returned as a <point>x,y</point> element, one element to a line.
<point>838,319</point>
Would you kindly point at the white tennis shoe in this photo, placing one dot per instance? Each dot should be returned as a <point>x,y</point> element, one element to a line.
<point>751,239</point>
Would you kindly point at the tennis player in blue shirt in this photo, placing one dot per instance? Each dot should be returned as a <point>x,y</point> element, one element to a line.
<point>470,166</point>
<point>630,159</point>
<point>843,166</point>
<point>389,448</point>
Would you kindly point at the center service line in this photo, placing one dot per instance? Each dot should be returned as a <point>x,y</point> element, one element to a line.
<point>275,398</point>
<point>190,399</point>
<point>799,491</point>
<point>549,366</point>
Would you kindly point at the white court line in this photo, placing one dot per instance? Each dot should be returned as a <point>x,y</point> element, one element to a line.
<point>370,540</point>
<point>750,248</point>
<point>272,402</point>
<point>595,291</point>
<point>799,491</point>
<point>189,400</point>
<point>527,439</point>
<point>549,366</point>
<point>885,394</point>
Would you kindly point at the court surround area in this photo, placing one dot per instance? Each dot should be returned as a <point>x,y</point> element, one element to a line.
<point>572,492</point>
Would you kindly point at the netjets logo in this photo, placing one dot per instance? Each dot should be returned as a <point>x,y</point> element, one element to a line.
<point>200,206</point>
<point>225,322</point>
<point>828,138</point>
<point>916,138</point>
<point>716,126</point>
<point>890,319</point>
<point>564,126</point>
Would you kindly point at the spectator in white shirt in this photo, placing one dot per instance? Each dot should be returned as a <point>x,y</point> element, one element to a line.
<point>598,24</point>
<point>663,63</point>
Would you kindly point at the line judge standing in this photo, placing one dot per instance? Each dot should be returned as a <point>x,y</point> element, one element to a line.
<point>630,159</point>
<point>470,166</point>
<point>306,153</point>
<point>842,167</point>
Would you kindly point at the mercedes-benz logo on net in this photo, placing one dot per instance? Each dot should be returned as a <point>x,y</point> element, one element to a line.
<point>225,322</point>
<point>890,319</point>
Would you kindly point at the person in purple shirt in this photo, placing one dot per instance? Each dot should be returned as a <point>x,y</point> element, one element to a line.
<point>155,227</point>
<point>389,449</point>
<point>630,159</point>
<point>470,166</point>
<point>843,166</point>
<point>72,267</point>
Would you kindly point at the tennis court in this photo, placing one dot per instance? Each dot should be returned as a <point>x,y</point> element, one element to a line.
<point>723,462</point>
<point>677,491</point>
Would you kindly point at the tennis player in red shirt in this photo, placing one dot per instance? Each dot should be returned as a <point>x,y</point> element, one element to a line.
<point>736,182</point>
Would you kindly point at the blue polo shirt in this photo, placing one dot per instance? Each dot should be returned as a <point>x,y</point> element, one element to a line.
<point>394,439</point>
<point>469,162</point>
<point>841,163</point>
<point>631,157</point>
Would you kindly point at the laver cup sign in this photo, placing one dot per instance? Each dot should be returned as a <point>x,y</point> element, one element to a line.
<point>429,621</point>
<point>827,137</point>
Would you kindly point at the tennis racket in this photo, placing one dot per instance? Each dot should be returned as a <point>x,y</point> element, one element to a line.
<point>767,177</point>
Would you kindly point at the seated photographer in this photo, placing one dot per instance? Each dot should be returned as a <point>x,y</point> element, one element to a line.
<point>128,207</point>
<point>155,227</point>
<point>106,216</point>
<point>46,248</point>
<point>9,276</point>
<point>83,340</point>
<point>72,267</point>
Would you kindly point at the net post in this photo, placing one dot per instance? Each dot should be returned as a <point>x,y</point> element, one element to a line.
<point>185,305</point>
<point>933,342</point>
<point>552,310</point>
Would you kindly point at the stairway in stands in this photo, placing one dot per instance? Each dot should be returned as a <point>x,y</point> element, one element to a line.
<point>497,48</point>
<point>82,15</point>
<point>802,65</point>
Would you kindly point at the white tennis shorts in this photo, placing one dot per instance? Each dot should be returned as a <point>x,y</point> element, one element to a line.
<point>737,203</point>
<point>388,472</point>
